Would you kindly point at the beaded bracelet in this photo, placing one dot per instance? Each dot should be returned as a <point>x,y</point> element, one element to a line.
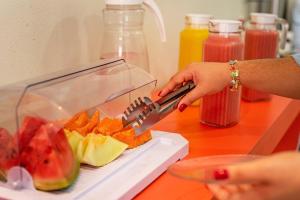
<point>235,76</point>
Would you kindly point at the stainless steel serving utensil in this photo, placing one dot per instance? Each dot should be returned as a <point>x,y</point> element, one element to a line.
<point>143,112</point>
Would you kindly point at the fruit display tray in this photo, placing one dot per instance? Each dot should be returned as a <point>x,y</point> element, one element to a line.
<point>121,179</point>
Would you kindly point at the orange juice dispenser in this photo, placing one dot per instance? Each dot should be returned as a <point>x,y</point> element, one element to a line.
<point>192,38</point>
<point>261,41</point>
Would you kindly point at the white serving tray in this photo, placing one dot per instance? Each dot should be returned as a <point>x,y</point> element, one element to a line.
<point>123,178</point>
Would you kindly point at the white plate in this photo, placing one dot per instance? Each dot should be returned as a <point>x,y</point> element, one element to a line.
<point>121,179</point>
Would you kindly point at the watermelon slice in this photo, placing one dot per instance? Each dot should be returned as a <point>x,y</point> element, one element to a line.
<point>8,153</point>
<point>49,159</point>
<point>29,126</point>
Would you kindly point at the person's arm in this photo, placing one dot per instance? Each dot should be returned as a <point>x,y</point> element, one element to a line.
<point>277,76</point>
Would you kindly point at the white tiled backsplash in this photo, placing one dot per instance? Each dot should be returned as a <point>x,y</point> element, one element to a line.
<point>39,37</point>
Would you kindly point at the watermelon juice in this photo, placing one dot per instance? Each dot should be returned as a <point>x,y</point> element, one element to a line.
<point>261,41</point>
<point>223,108</point>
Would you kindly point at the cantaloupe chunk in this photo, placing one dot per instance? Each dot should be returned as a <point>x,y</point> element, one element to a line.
<point>127,135</point>
<point>108,126</point>
<point>82,123</point>
<point>90,125</point>
<point>77,121</point>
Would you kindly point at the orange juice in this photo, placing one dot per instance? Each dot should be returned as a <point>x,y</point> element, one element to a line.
<point>192,38</point>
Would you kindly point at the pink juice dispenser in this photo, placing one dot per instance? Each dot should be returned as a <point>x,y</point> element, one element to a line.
<point>223,44</point>
<point>123,35</point>
<point>261,41</point>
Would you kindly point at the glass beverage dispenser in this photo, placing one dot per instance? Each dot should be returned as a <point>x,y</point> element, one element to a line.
<point>192,38</point>
<point>261,41</point>
<point>123,35</point>
<point>224,43</point>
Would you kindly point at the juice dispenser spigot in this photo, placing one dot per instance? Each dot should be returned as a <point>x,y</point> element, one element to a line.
<point>123,30</point>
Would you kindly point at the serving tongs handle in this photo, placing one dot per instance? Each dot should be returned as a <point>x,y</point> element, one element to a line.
<point>145,112</point>
<point>177,94</point>
<point>168,103</point>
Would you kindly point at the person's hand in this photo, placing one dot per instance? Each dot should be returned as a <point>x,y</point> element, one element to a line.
<point>273,178</point>
<point>208,77</point>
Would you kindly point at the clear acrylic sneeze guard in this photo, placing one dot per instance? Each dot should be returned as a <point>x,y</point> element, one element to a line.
<point>108,86</point>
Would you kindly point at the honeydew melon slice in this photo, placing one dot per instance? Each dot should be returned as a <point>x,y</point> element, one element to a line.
<point>74,138</point>
<point>95,149</point>
<point>98,150</point>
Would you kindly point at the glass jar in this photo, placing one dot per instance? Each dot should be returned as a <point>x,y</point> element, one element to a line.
<point>192,38</point>
<point>223,44</point>
<point>261,41</point>
<point>123,35</point>
<point>296,26</point>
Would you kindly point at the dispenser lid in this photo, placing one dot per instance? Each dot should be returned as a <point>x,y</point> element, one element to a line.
<point>193,18</point>
<point>263,18</point>
<point>123,2</point>
<point>225,26</point>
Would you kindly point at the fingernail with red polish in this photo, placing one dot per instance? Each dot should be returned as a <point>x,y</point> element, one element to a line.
<point>182,107</point>
<point>159,93</point>
<point>221,174</point>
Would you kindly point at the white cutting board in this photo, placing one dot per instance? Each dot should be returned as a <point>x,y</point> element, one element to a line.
<point>123,178</point>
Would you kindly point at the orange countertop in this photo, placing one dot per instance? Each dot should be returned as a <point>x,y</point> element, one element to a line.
<point>263,127</point>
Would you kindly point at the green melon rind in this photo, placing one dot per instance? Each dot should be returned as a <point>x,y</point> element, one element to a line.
<point>3,176</point>
<point>58,184</point>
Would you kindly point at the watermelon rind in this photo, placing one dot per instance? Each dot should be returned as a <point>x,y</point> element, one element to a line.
<point>50,140</point>
<point>2,176</point>
<point>48,185</point>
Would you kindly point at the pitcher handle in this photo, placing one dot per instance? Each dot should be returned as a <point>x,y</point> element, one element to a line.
<point>284,29</point>
<point>158,17</point>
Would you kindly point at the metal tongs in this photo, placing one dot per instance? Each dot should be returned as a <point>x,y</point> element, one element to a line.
<point>143,112</point>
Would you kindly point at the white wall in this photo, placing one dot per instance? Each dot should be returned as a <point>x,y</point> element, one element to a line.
<point>39,37</point>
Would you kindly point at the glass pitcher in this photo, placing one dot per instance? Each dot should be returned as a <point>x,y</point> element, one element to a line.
<point>123,35</point>
<point>192,38</point>
<point>224,43</point>
<point>262,41</point>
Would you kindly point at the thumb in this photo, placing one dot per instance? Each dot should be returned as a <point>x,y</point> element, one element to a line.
<point>257,171</point>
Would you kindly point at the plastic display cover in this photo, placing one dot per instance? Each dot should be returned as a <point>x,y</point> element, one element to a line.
<point>108,86</point>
